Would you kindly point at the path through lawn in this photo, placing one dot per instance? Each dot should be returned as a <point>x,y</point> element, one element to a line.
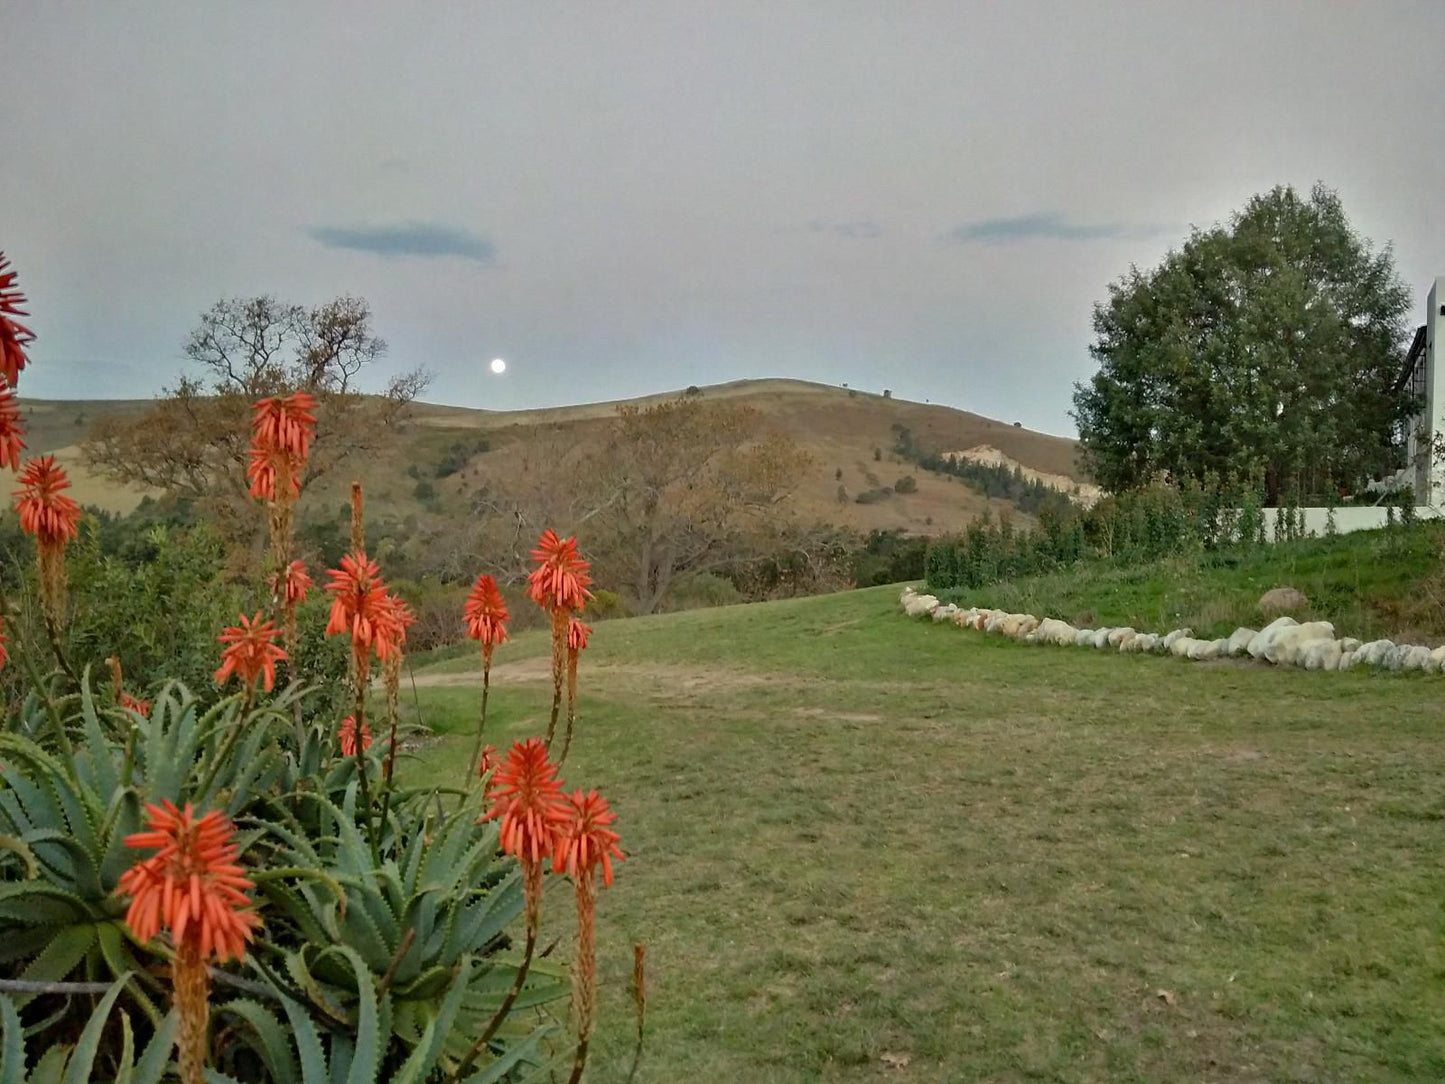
<point>862,847</point>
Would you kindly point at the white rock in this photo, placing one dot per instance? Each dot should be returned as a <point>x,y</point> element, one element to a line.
<point>1319,655</point>
<point>1414,658</point>
<point>944,612</point>
<point>1181,647</point>
<point>1284,648</point>
<point>1178,634</point>
<point>1349,643</point>
<point>1126,642</point>
<point>1116,635</point>
<point>1373,653</point>
<point>1266,636</point>
<point>1347,659</point>
<point>1145,641</point>
<point>1084,638</point>
<point>1394,658</point>
<point>1239,640</point>
<point>1438,657</point>
<point>1101,638</point>
<point>919,605</point>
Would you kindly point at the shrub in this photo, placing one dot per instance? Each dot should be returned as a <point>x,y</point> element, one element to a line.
<point>906,484</point>
<point>605,605</point>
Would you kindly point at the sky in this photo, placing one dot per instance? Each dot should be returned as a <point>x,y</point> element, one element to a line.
<point>624,198</point>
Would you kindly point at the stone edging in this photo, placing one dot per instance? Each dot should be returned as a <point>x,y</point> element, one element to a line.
<point>1283,642</point>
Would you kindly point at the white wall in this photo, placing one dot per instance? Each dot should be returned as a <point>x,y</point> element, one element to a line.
<point>1347,520</point>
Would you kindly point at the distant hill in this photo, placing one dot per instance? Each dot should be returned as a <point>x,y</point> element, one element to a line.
<point>842,430</point>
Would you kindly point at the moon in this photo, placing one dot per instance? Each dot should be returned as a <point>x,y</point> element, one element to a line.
<point>498,365</point>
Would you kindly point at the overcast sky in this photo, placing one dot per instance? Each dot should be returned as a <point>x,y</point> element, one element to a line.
<point>624,198</point>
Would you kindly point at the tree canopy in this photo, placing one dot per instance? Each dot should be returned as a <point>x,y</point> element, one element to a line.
<point>1264,352</point>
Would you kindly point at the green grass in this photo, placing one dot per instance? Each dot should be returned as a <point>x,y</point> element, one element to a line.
<point>855,839</point>
<point>1370,584</point>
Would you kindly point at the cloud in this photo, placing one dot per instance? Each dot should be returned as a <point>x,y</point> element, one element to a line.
<point>1046,227</point>
<point>863,229</point>
<point>426,240</point>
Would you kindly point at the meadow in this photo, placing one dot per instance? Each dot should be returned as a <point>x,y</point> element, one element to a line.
<point>862,847</point>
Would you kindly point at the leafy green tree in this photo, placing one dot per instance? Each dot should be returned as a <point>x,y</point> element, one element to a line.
<point>1269,348</point>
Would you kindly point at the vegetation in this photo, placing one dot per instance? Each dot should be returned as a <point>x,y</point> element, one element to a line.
<point>243,877</point>
<point>965,858</point>
<point>1371,584</point>
<point>1267,350</point>
<point>1029,495</point>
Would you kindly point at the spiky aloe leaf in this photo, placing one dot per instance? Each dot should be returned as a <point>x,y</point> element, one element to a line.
<point>78,1071</point>
<point>425,1054</point>
<point>271,1040</point>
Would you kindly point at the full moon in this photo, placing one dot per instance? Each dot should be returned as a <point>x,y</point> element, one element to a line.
<point>498,365</point>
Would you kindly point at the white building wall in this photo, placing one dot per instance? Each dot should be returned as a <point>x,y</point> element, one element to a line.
<point>1349,519</point>
<point>1434,493</point>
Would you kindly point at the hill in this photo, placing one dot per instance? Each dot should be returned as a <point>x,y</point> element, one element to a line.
<point>847,433</point>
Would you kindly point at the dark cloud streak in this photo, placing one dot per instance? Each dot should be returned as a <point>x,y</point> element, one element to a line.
<point>424,240</point>
<point>1047,227</point>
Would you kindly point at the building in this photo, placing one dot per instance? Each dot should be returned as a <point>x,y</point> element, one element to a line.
<point>1424,376</point>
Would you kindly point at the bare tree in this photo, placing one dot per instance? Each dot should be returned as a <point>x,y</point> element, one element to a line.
<point>659,493</point>
<point>192,442</point>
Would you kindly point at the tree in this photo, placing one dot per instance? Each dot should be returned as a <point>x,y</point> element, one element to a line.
<point>192,442</point>
<point>659,492</point>
<point>1267,350</point>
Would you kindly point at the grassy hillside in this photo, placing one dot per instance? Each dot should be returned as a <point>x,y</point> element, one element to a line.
<point>1370,584</point>
<point>865,848</point>
<point>839,429</point>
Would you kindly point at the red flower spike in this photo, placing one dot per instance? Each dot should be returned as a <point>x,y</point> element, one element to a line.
<point>585,840</point>
<point>45,511</point>
<point>135,704</point>
<point>192,885</point>
<point>261,473</point>
<point>284,425</point>
<point>12,433</point>
<point>251,653</point>
<point>486,612</point>
<point>577,634</point>
<point>527,796</point>
<point>14,336</point>
<point>359,606</point>
<point>292,585</point>
<point>347,736</point>
<point>561,579</point>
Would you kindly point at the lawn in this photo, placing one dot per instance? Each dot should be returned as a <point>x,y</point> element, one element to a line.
<point>862,847</point>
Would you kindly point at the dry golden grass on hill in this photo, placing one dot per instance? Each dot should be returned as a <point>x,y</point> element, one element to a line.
<point>838,428</point>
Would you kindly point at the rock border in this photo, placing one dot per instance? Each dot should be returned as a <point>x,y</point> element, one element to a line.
<point>1283,642</point>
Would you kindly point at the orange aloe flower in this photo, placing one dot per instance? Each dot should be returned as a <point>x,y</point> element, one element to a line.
<point>45,511</point>
<point>360,608</point>
<point>561,578</point>
<point>261,473</point>
<point>577,634</point>
<point>192,885</point>
<point>292,585</point>
<point>586,839</point>
<point>582,843</point>
<point>14,336</point>
<point>285,425</point>
<point>251,653</point>
<point>347,736</point>
<point>486,614</point>
<point>53,518</point>
<point>12,434</point>
<point>135,704</point>
<point>528,797</point>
